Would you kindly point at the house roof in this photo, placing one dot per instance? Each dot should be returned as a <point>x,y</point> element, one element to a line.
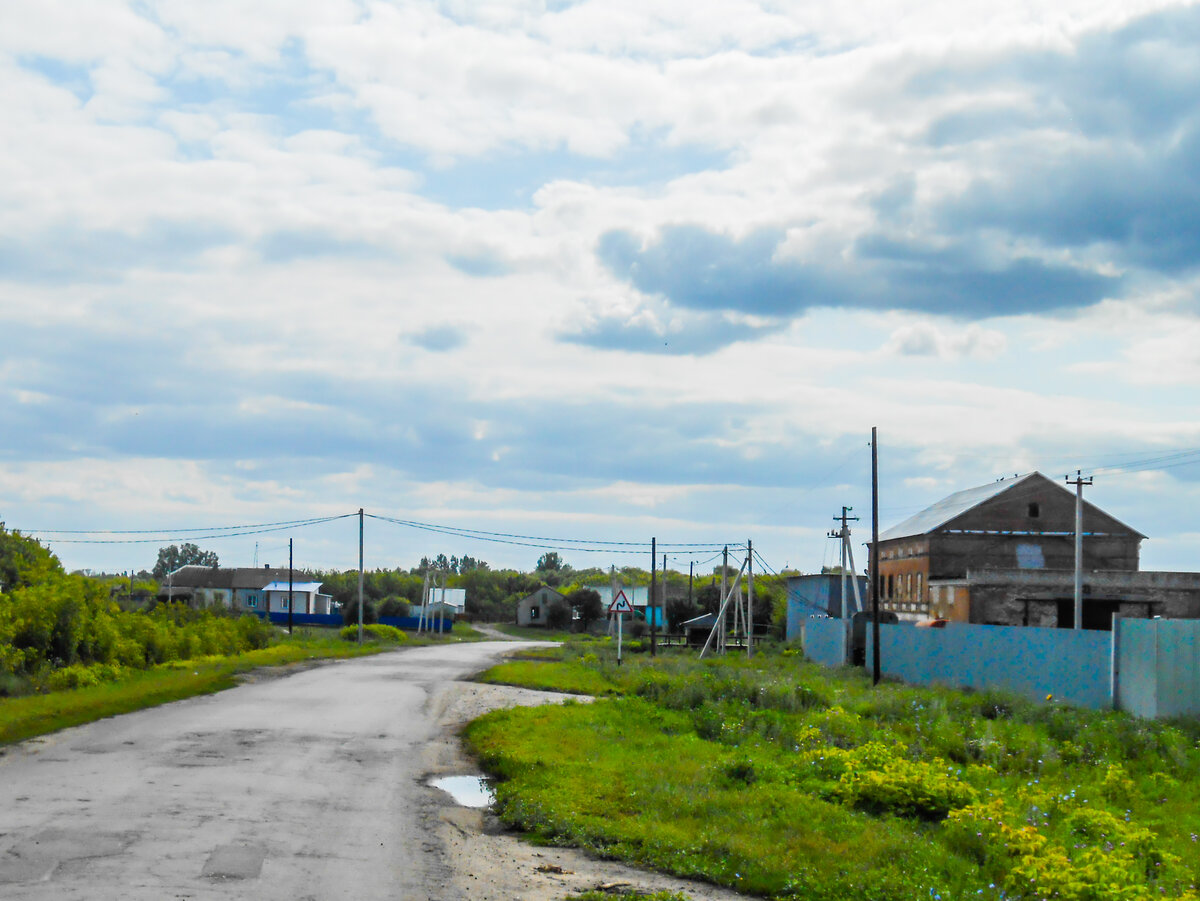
<point>229,577</point>
<point>305,587</point>
<point>955,505</point>
<point>540,592</point>
<point>949,508</point>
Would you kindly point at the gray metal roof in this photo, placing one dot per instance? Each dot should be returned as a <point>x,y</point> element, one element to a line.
<point>950,507</point>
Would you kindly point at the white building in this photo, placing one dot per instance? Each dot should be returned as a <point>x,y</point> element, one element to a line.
<point>306,595</point>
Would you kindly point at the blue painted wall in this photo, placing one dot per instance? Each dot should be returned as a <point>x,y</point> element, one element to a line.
<point>1159,667</point>
<point>818,593</point>
<point>1072,667</point>
<point>825,640</point>
<point>408,623</point>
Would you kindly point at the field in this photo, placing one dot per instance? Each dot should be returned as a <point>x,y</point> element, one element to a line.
<point>787,780</point>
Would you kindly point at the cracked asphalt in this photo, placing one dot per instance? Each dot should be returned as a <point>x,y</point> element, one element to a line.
<point>308,786</point>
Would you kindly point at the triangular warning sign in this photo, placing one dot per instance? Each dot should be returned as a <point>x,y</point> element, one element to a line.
<point>620,604</point>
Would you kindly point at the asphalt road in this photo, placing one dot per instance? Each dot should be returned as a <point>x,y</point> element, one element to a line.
<point>302,787</point>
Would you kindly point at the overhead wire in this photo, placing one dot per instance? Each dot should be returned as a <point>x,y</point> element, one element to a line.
<point>584,545</point>
<point>161,535</point>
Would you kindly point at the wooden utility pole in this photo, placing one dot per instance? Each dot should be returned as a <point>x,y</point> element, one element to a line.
<point>1079,482</point>
<point>691,573</point>
<point>291,598</point>
<point>360,573</point>
<point>749,598</point>
<point>664,597</point>
<point>874,556</point>
<point>650,600</point>
<point>724,589</point>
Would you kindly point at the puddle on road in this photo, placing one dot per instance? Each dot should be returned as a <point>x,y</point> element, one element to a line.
<point>468,791</point>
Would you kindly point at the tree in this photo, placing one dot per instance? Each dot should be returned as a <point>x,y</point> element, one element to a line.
<point>586,601</point>
<point>708,598</point>
<point>391,606</point>
<point>558,616</point>
<point>23,561</point>
<point>187,554</point>
<point>679,610</point>
<point>549,562</point>
<point>350,612</point>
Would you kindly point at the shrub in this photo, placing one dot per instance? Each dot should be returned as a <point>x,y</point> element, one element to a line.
<point>878,778</point>
<point>393,606</point>
<point>376,632</point>
<point>79,676</point>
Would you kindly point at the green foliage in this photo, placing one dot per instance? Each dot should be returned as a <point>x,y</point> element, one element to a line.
<point>350,612</point>
<point>375,631</point>
<point>558,615</point>
<point>394,606</point>
<point>63,631</point>
<point>23,561</point>
<point>587,604</point>
<point>187,554</point>
<point>938,793</point>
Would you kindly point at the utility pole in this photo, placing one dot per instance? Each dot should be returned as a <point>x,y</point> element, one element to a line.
<point>424,603</point>
<point>650,601</point>
<point>721,608</point>
<point>664,597</point>
<point>691,573</point>
<point>844,534</point>
<point>875,555</point>
<point>360,573</point>
<point>1079,482</point>
<point>291,597</point>
<point>749,598</point>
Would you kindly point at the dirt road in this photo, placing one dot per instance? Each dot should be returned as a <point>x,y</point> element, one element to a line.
<point>308,786</point>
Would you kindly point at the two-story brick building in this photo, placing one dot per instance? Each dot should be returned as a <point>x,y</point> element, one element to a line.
<point>1004,553</point>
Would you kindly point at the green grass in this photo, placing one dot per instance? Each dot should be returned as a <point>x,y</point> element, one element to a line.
<point>784,779</point>
<point>534,633</point>
<point>39,714</point>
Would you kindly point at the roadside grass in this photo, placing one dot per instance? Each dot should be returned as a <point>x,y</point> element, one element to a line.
<point>628,896</point>
<point>39,714</point>
<point>784,779</point>
<point>534,634</point>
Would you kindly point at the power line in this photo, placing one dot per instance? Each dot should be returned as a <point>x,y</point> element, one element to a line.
<point>541,542</point>
<point>168,534</point>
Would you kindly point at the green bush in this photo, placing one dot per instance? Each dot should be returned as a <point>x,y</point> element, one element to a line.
<point>376,632</point>
<point>79,676</point>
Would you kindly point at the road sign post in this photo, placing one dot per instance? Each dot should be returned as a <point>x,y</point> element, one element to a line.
<point>619,607</point>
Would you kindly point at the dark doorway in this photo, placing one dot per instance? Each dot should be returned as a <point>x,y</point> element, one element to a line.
<point>1097,615</point>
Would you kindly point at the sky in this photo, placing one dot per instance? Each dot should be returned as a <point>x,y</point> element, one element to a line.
<point>589,272</point>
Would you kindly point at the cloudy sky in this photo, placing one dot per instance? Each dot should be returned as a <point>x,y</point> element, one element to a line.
<point>598,270</point>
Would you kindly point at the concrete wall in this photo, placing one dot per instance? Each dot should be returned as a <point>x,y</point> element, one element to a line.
<point>1071,666</point>
<point>1158,667</point>
<point>826,641</point>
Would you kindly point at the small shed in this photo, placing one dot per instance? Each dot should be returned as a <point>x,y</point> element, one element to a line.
<point>698,628</point>
<point>531,609</point>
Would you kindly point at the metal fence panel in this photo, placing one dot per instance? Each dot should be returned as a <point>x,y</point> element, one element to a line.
<point>825,640</point>
<point>1063,664</point>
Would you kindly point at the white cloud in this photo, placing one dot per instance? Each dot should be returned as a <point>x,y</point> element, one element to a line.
<point>238,211</point>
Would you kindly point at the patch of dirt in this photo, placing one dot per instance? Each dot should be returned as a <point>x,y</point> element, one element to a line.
<point>491,864</point>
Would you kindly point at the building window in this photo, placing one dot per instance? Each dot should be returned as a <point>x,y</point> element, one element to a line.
<point>1034,511</point>
<point>533,612</point>
<point>251,600</point>
<point>283,602</point>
